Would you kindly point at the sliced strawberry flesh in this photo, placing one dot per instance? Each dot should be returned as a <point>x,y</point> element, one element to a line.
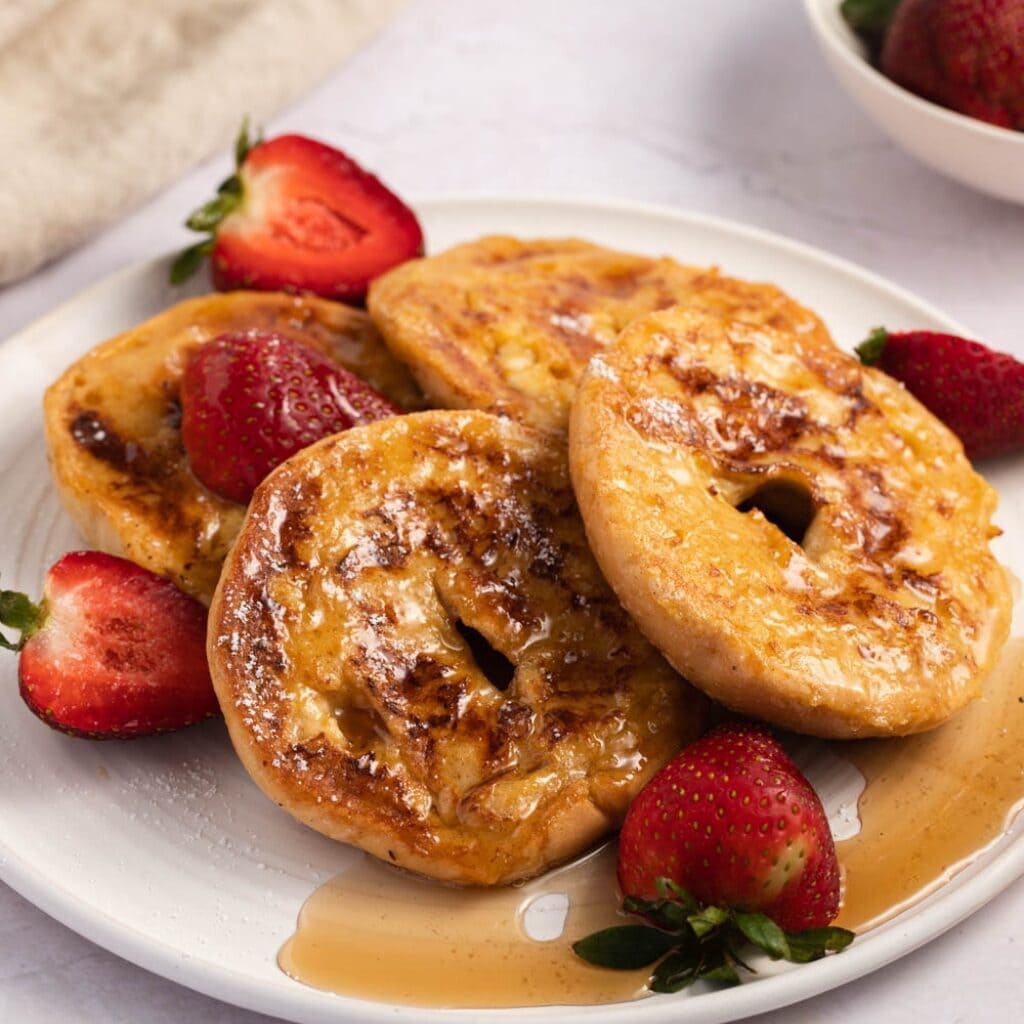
<point>311,219</point>
<point>121,651</point>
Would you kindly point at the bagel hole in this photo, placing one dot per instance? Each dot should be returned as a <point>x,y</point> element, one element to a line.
<point>498,669</point>
<point>786,504</point>
<point>362,727</point>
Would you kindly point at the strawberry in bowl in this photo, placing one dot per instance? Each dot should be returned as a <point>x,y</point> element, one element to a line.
<point>941,77</point>
<point>965,55</point>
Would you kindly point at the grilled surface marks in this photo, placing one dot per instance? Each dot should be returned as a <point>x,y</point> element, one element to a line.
<point>338,646</point>
<point>113,437</point>
<point>798,535</point>
<point>508,325</point>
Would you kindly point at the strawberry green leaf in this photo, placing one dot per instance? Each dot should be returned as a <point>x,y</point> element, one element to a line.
<point>669,890</point>
<point>624,947</point>
<point>870,20</point>
<point>734,958</point>
<point>665,914</point>
<point>707,920</point>
<point>189,260</point>
<point>677,971</point>
<point>764,933</point>
<point>18,612</point>
<point>231,186</point>
<point>871,348</point>
<point>814,943</point>
<point>210,214</point>
<point>723,972</point>
<point>243,143</point>
<point>868,15</point>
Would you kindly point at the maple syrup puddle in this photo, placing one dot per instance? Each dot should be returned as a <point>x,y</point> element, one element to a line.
<point>377,933</point>
<point>931,804</point>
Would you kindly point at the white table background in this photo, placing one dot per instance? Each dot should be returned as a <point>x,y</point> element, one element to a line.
<point>720,106</point>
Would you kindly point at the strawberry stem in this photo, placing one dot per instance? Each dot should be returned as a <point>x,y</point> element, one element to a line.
<point>684,941</point>
<point>18,612</point>
<point>207,218</point>
<point>871,348</point>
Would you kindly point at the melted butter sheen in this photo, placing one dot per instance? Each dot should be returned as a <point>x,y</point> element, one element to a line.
<point>934,801</point>
<point>931,803</point>
<point>375,933</point>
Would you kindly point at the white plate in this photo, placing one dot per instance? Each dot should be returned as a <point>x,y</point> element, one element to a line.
<point>165,853</point>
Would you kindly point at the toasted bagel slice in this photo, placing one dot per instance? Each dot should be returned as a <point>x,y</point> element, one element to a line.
<point>416,653</point>
<point>507,325</point>
<point>113,438</point>
<point>799,536</point>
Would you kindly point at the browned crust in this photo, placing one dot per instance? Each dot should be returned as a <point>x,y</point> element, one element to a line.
<point>357,706</point>
<point>508,325</point>
<point>112,427</point>
<point>889,615</point>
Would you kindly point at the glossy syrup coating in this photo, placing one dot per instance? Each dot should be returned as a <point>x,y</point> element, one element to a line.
<point>113,435</point>
<point>507,325</point>
<point>350,690</point>
<point>799,536</point>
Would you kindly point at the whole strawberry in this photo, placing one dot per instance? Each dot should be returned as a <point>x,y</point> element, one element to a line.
<point>977,393</point>
<point>250,400</point>
<point>733,822</point>
<point>113,651</point>
<point>728,844</point>
<point>967,55</point>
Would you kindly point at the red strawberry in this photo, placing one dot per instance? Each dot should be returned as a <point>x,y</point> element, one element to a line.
<point>967,55</point>
<point>977,393</point>
<point>733,822</point>
<point>250,400</point>
<point>112,651</point>
<point>300,216</point>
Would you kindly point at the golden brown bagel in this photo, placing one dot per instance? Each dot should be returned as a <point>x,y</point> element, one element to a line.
<point>357,704</point>
<point>883,620</point>
<point>508,325</point>
<point>114,445</point>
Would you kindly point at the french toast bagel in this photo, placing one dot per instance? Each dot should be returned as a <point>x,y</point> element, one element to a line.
<point>507,325</point>
<point>416,653</point>
<point>112,427</point>
<point>801,538</point>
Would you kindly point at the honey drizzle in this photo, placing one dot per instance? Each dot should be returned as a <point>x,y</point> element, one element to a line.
<point>931,803</point>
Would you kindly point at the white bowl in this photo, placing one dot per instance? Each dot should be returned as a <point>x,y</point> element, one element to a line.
<point>981,155</point>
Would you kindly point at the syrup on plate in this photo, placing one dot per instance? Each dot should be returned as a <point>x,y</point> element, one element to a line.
<point>377,933</point>
<point>931,803</point>
<point>934,801</point>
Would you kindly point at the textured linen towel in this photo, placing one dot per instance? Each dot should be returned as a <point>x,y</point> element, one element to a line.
<point>102,102</point>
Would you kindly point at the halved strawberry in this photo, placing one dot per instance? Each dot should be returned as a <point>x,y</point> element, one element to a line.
<point>300,216</point>
<point>112,651</point>
<point>250,400</point>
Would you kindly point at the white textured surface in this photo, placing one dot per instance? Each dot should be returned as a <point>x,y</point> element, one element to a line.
<point>104,101</point>
<point>723,108</point>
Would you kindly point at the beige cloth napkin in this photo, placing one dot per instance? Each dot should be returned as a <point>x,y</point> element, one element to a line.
<point>102,102</point>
